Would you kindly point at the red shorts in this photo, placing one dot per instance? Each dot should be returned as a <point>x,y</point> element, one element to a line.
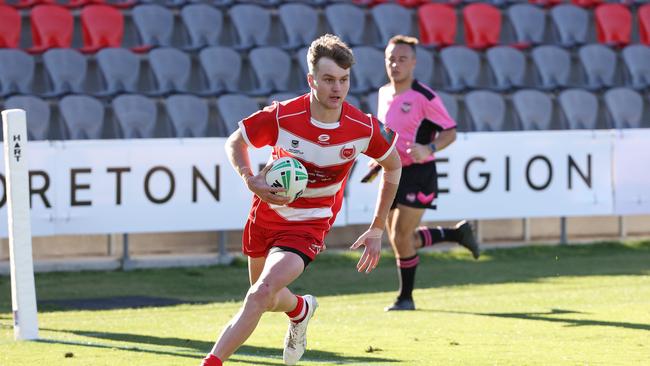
<point>257,241</point>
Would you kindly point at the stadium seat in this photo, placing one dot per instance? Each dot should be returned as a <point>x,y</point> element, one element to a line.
<point>136,116</point>
<point>272,68</point>
<point>613,24</point>
<point>372,102</point>
<point>534,109</point>
<point>38,115</point>
<point>83,117</point>
<point>450,103</point>
<point>279,97</point>
<point>347,21</point>
<point>233,108</point>
<point>391,19</point>
<point>580,109</point>
<point>171,69</point>
<point>462,68</point>
<point>482,24</point>
<point>165,3</point>
<point>529,23</point>
<point>437,24</point>
<point>553,65</point>
<point>369,72</point>
<point>204,25</point>
<point>644,24</point>
<point>120,71</point>
<point>51,28</point>
<point>599,64</point>
<point>571,24</point>
<point>487,110</point>
<point>508,67</point>
<point>9,27</point>
<point>636,59</point>
<point>300,23</point>
<point>586,3</point>
<point>16,72</point>
<point>252,23</point>
<point>102,27</point>
<point>424,65</point>
<point>155,25</point>
<point>188,114</point>
<point>625,108</point>
<point>545,2</point>
<point>353,100</point>
<point>66,69</point>
<point>220,77</point>
<point>301,56</point>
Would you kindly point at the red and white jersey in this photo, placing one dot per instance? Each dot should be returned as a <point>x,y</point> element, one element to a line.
<point>327,150</point>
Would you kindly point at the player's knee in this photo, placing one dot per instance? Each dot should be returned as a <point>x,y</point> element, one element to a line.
<point>261,296</point>
<point>402,237</point>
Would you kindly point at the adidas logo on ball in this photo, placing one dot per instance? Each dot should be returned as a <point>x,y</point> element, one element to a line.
<point>290,174</point>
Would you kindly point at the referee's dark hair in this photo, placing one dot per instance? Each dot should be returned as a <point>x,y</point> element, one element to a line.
<point>402,39</point>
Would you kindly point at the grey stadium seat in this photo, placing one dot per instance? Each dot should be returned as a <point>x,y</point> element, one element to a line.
<point>534,109</point>
<point>171,68</point>
<point>580,108</point>
<point>571,24</point>
<point>252,23</point>
<point>189,115</point>
<point>372,101</point>
<point>625,108</point>
<point>38,115</point>
<point>223,76</point>
<point>599,64</point>
<point>346,21</point>
<point>369,72</point>
<point>279,97</point>
<point>300,23</point>
<point>272,68</point>
<point>636,59</point>
<point>204,25</point>
<point>66,69</point>
<point>120,69</point>
<point>83,116</point>
<point>16,72</point>
<point>136,115</point>
<point>233,108</point>
<point>508,66</point>
<point>487,110</point>
<point>354,101</point>
<point>553,65</point>
<point>391,19</point>
<point>462,66</point>
<point>301,55</point>
<point>450,103</point>
<point>155,24</point>
<point>529,23</point>
<point>424,65</point>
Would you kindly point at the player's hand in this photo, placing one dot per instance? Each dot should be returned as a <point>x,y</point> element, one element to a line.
<point>371,239</point>
<point>418,152</point>
<point>257,184</point>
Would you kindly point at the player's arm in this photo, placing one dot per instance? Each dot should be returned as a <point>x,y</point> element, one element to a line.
<point>237,152</point>
<point>392,170</point>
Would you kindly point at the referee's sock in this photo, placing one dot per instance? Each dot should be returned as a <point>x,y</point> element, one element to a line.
<point>434,235</point>
<point>407,267</point>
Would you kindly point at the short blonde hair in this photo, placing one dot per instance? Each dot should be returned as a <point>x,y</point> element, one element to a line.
<point>402,39</point>
<point>332,47</point>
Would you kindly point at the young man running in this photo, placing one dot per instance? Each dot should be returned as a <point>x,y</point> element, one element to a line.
<point>280,239</point>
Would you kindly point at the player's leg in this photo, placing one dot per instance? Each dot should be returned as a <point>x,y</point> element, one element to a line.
<point>461,233</point>
<point>285,300</point>
<point>279,270</point>
<point>403,222</point>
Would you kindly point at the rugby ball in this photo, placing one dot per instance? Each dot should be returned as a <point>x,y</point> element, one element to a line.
<point>290,174</point>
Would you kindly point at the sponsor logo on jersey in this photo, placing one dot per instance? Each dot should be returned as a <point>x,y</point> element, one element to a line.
<point>295,143</point>
<point>324,138</point>
<point>348,152</point>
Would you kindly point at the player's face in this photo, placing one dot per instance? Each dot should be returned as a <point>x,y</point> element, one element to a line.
<point>400,62</point>
<point>330,84</point>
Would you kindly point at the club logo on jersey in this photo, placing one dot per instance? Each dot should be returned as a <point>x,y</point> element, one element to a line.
<point>315,248</point>
<point>406,107</point>
<point>294,143</point>
<point>348,152</point>
<point>323,138</point>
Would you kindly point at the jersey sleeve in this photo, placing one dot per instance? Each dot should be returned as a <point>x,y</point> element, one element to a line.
<point>382,141</point>
<point>435,112</point>
<point>261,128</point>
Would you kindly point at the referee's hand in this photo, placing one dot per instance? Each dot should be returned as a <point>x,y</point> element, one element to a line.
<point>257,184</point>
<point>418,152</point>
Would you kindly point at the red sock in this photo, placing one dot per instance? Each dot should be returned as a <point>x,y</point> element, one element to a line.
<point>211,360</point>
<point>298,314</point>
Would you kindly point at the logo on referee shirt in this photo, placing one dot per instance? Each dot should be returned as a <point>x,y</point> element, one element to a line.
<point>348,152</point>
<point>406,107</point>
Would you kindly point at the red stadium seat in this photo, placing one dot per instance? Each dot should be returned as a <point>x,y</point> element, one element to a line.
<point>437,24</point>
<point>545,2</point>
<point>51,28</point>
<point>102,26</point>
<point>482,25</point>
<point>644,24</point>
<point>22,4</point>
<point>9,27</point>
<point>586,3</point>
<point>613,24</point>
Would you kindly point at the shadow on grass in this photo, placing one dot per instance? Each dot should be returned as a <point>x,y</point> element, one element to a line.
<point>197,349</point>
<point>549,317</point>
<point>335,274</point>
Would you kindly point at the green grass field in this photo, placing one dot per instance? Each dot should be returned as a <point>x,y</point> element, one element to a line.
<point>570,305</point>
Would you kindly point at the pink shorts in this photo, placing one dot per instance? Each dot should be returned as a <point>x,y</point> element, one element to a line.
<point>257,241</point>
